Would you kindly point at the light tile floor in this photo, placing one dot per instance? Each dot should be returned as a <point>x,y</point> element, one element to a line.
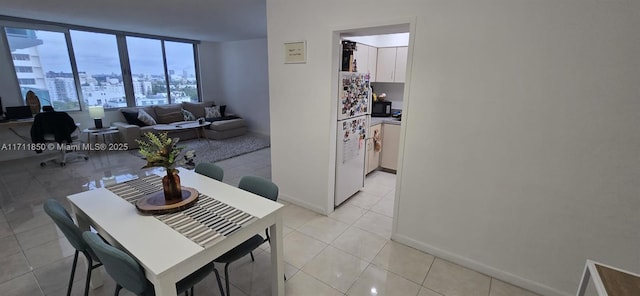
<point>347,253</point>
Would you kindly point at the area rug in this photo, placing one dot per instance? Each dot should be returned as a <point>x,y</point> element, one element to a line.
<point>217,150</point>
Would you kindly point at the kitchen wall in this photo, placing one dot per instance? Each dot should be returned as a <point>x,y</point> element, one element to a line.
<point>394,91</point>
<point>519,154</point>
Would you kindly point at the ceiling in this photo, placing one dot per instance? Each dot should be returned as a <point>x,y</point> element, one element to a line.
<point>207,20</point>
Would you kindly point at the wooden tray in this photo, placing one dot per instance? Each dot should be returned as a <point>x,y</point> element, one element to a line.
<point>155,204</point>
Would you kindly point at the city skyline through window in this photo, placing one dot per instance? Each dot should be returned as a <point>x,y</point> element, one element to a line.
<point>46,54</point>
<point>157,71</point>
<point>99,71</point>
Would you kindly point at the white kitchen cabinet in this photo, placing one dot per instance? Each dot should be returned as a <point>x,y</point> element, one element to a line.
<point>373,157</point>
<point>366,59</point>
<point>386,64</point>
<point>390,146</point>
<point>391,64</point>
<point>368,151</point>
<point>401,64</point>
<point>372,63</point>
<point>361,55</point>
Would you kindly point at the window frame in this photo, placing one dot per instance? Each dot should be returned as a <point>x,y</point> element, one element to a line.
<point>123,54</point>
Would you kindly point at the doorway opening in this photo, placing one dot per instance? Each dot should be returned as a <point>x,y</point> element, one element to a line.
<point>382,54</point>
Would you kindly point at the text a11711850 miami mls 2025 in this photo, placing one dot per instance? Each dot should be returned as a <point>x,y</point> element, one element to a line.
<point>64,146</point>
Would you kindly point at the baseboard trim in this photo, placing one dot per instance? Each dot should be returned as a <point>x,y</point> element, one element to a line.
<point>302,203</point>
<point>480,267</point>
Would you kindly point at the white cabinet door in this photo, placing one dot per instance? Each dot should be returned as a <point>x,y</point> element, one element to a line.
<point>390,146</point>
<point>401,64</point>
<point>373,156</point>
<point>373,60</point>
<point>386,64</point>
<point>361,56</point>
<point>369,151</point>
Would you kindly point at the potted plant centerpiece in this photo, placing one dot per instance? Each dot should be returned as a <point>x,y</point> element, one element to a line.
<point>161,151</point>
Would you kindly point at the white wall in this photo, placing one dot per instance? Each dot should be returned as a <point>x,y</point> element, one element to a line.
<point>521,144</point>
<point>242,75</point>
<point>210,72</point>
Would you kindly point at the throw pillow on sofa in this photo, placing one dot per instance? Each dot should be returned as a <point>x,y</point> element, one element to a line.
<point>197,108</point>
<point>146,118</point>
<point>212,112</point>
<point>132,118</point>
<point>188,116</point>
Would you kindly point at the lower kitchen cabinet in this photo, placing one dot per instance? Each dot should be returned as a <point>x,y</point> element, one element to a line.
<point>373,157</point>
<point>390,146</point>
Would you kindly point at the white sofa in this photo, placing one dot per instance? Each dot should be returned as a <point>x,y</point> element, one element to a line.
<point>131,129</point>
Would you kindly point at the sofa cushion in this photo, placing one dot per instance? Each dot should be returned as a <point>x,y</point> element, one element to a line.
<point>169,113</point>
<point>196,108</point>
<point>227,124</point>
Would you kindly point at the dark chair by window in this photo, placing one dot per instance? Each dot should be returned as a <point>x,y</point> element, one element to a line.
<point>258,186</point>
<point>127,272</point>
<point>58,128</point>
<point>74,235</point>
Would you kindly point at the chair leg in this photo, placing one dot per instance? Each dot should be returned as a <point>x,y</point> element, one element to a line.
<point>118,287</point>
<point>89,269</point>
<point>226,278</point>
<point>252,259</point>
<point>73,272</point>
<point>219,282</point>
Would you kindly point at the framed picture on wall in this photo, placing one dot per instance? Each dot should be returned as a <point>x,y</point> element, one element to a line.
<point>295,52</point>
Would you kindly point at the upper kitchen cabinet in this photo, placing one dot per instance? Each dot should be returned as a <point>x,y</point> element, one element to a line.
<point>366,59</point>
<point>391,64</point>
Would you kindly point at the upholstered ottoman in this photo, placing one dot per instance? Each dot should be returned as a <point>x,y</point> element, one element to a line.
<point>223,129</point>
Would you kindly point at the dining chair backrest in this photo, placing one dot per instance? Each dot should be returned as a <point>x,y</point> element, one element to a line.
<point>210,170</point>
<point>63,220</point>
<point>119,265</point>
<point>259,186</point>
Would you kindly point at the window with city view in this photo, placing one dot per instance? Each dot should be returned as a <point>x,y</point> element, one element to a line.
<point>182,71</point>
<point>99,69</point>
<point>42,65</point>
<point>150,78</point>
<point>91,73</point>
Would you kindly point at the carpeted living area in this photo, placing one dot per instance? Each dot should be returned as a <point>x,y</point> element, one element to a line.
<point>217,150</point>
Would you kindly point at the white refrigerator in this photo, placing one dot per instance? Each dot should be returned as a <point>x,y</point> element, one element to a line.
<point>354,111</point>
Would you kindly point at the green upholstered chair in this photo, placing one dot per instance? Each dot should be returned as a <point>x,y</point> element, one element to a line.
<point>210,170</point>
<point>128,274</point>
<point>63,220</point>
<point>258,186</point>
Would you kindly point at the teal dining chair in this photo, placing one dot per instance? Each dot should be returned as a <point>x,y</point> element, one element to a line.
<point>63,220</point>
<point>128,274</point>
<point>258,186</point>
<point>210,170</point>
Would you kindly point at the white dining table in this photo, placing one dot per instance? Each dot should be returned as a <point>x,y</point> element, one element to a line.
<point>166,255</point>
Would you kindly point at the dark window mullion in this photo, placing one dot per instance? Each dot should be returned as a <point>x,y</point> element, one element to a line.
<point>196,63</point>
<point>166,72</point>
<point>125,65</point>
<point>74,71</point>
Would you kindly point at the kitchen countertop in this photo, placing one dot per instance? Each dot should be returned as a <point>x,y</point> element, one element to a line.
<point>385,120</point>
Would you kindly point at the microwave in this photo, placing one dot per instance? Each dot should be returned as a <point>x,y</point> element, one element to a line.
<point>381,109</point>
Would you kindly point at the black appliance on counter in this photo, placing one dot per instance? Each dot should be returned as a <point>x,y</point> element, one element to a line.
<point>381,109</point>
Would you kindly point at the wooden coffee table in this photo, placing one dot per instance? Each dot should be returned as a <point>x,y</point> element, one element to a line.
<point>182,126</point>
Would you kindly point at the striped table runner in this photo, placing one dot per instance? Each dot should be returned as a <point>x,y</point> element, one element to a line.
<point>206,223</point>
